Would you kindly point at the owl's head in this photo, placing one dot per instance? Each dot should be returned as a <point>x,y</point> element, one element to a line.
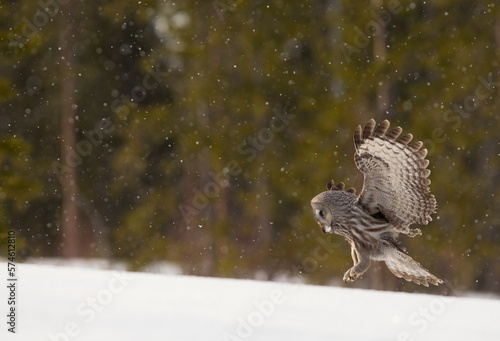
<point>328,207</point>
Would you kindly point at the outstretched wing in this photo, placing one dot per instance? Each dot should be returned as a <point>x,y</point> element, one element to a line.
<point>403,266</point>
<point>395,175</point>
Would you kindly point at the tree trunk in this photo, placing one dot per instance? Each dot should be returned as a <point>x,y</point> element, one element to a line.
<point>379,59</point>
<point>70,214</point>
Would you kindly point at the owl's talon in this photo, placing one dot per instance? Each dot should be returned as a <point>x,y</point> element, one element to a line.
<point>350,277</point>
<point>347,275</point>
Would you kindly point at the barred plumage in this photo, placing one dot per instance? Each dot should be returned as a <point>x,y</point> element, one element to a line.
<point>395,195</point>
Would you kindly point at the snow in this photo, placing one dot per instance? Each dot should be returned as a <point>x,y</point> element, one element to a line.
<point>70,303</point>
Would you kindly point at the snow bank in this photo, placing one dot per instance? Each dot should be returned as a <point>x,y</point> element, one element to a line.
<point>62,303</point>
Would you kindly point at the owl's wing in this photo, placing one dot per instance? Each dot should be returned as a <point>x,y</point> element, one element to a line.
<point>403,266</point>
<point>395,175</point>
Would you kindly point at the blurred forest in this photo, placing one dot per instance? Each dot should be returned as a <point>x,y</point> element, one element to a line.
<point>197,132</point>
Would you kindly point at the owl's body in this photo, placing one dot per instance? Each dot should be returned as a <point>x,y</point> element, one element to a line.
<point>395,195</point>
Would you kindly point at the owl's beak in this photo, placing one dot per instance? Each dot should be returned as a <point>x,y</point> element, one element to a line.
<point>327,229</point>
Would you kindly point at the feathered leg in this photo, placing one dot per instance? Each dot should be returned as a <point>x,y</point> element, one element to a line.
<point>361,264</point>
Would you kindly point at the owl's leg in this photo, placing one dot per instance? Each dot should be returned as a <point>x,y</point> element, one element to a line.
<point>361,264</point>
<point>354,256</point>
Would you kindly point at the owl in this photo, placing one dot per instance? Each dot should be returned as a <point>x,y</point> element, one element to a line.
<point>395,195</point>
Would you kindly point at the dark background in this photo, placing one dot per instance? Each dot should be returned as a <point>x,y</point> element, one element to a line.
<point>197,132</point>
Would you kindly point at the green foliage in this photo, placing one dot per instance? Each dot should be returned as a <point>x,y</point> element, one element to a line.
<point>17,187</point>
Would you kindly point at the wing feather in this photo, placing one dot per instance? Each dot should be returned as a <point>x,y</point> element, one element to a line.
<point>382,128</point>
<point>395,175</point>
<point>394,133</point>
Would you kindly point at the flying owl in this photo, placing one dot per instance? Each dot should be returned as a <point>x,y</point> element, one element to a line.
<point>395,195</point>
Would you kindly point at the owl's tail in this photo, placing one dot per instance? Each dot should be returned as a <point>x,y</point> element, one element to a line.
<point>403,266</point>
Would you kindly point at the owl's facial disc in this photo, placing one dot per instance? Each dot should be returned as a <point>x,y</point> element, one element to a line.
<point>323,218</point>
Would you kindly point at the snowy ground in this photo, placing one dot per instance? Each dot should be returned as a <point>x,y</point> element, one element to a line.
<point>70,303</point>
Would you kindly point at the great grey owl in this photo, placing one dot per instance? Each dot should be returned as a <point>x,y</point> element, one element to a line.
<point>395,195</point>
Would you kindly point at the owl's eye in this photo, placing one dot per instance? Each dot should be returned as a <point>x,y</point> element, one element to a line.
<point>322,214</point>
